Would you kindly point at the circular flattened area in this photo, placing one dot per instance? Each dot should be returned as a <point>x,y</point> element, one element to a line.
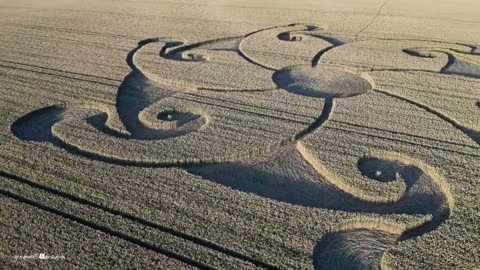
<point>322,82</point>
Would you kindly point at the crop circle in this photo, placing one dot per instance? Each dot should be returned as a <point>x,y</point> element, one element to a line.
<point>322,82</point>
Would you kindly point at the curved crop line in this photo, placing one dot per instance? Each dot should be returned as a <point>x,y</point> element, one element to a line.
<point>384,225</point>
<point>165,52</point>
<point>309,27</point>
<point>248,154</point>
<point>135,67</point>
<point>327,110</point>
<point>363,75</point>
<point>452,53</point>
<point>185,47</point>
<point>149,120</point>
<point>403,231</point>
<point>117,126</point>
<point>144,42</point>
<point>389,156</point>
<point>297,35</point>
<point>329,105</point>
<point>242,52</point>
<point>472,47</point>
<point>113,124</point>
<point>342,185</point>
<point>472,50</point>
<point>248,59</point>
<point>424,51</point>
<point>474,134</point>
<point>378,224</point>
<point>316,58</point>
<point>175,47</point>
<point>426,169</point>
<point>140,220</point>
<point>165,163</point>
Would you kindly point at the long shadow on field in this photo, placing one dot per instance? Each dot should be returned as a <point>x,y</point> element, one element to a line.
<point>287,177</point>
<point>458,67</point>
<point>134,94</point>
<point>465,62</point>
<point>283,176</point>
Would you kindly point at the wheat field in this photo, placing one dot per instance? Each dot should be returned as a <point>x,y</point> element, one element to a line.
<point>239,134</point>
